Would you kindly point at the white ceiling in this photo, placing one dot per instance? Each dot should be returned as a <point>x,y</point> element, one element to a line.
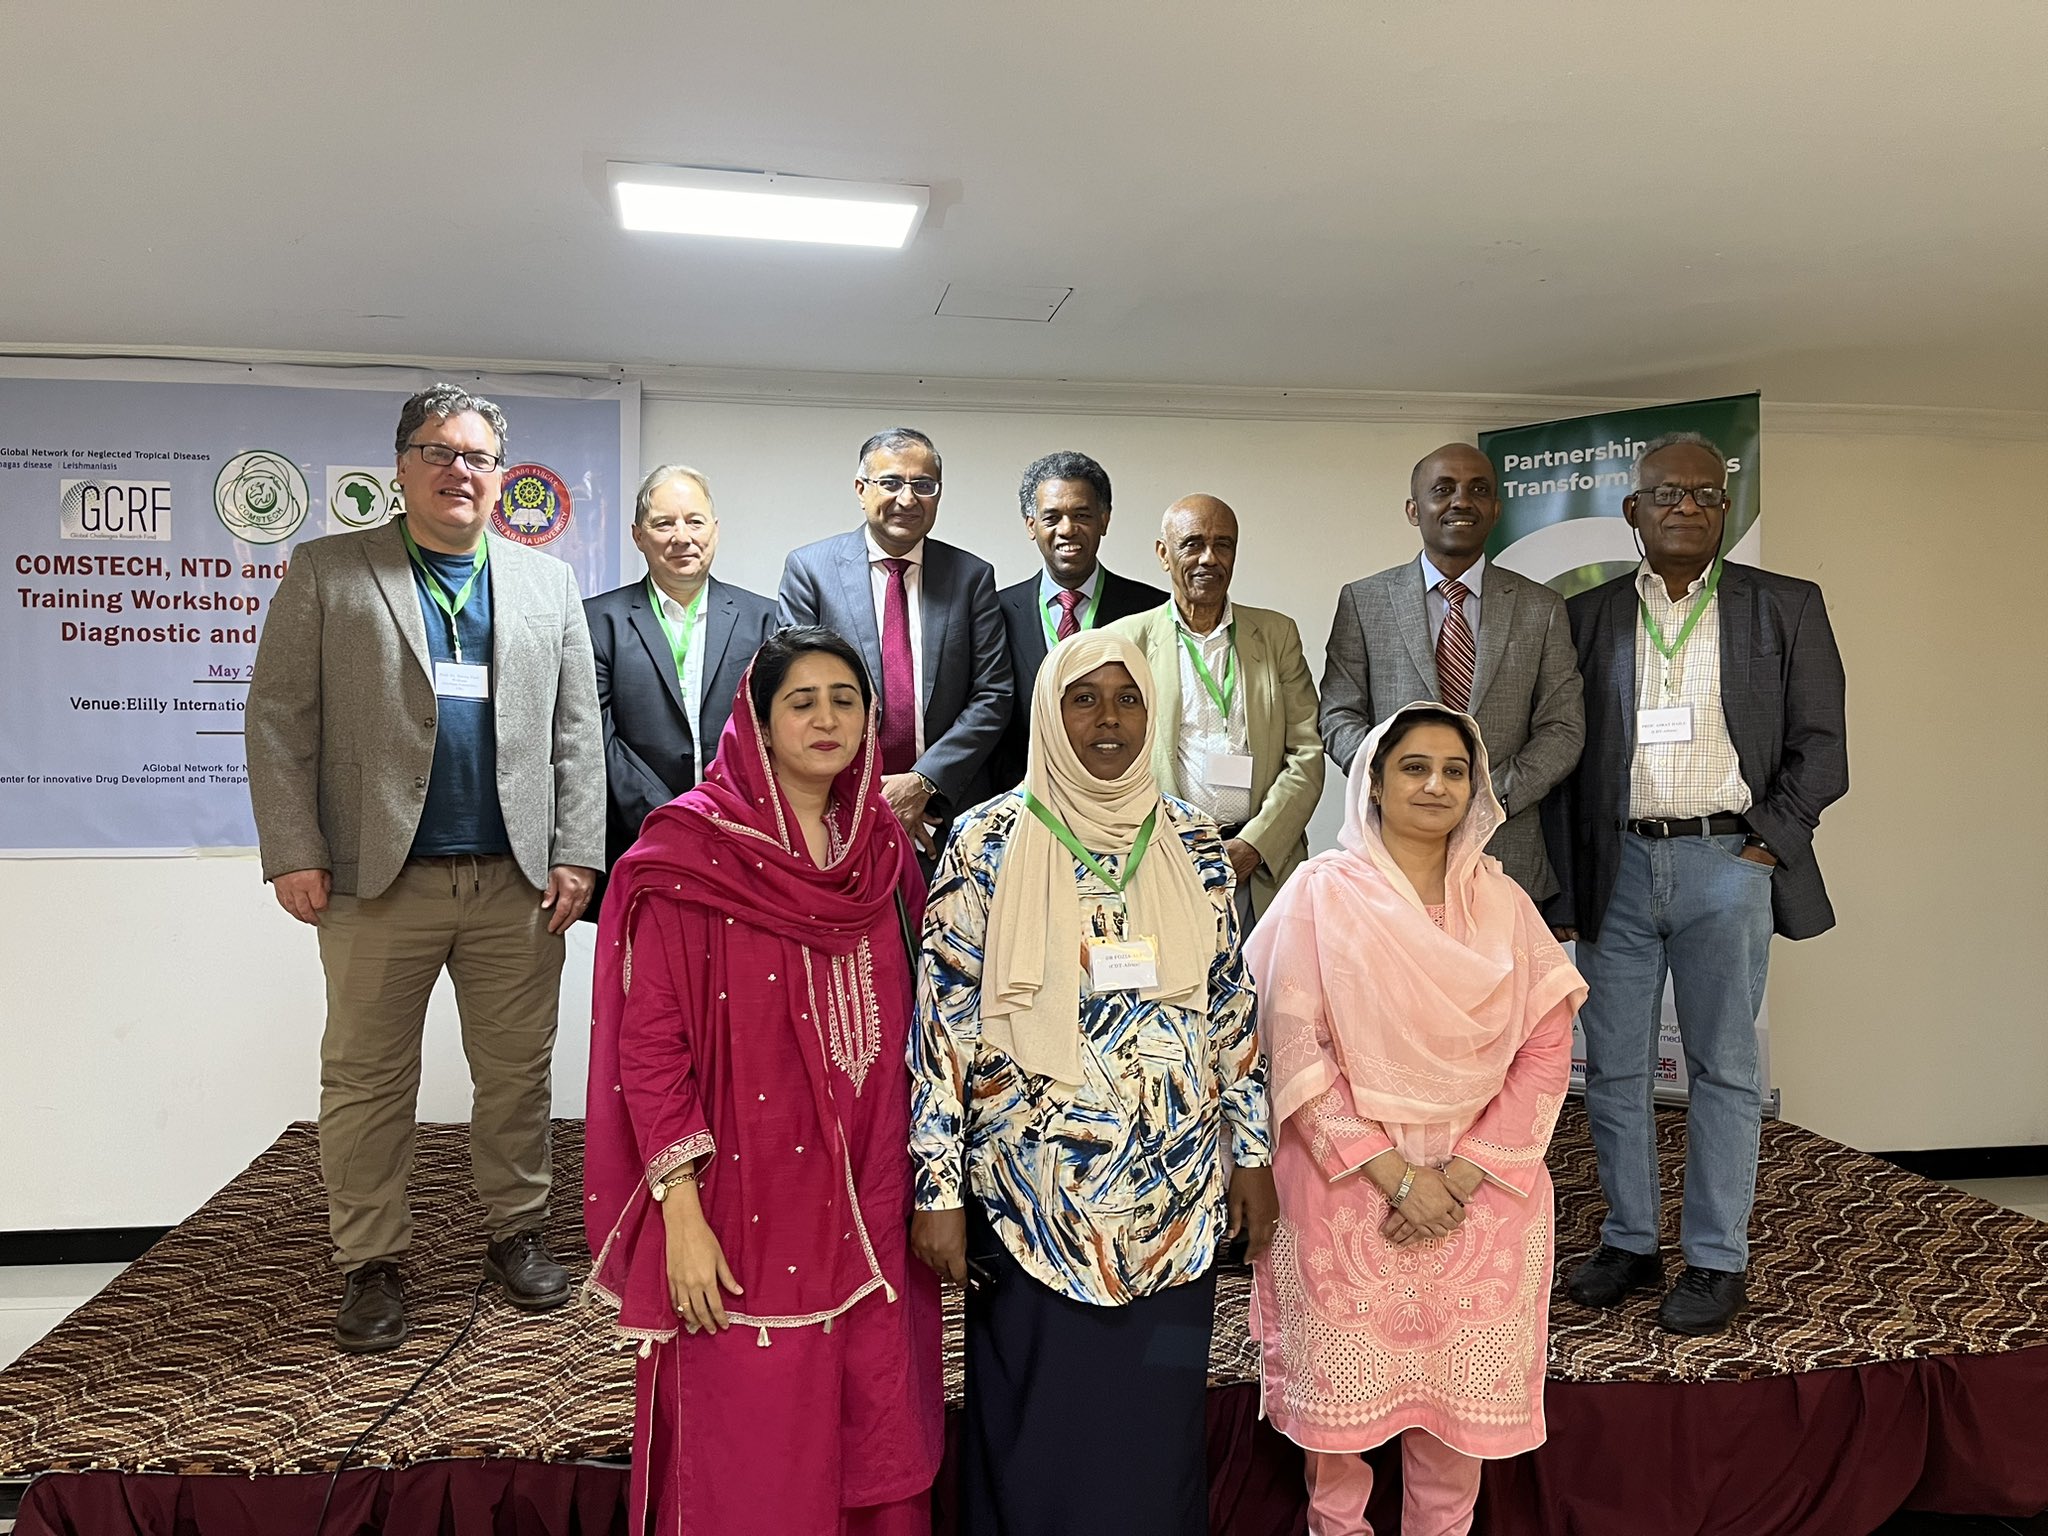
<point>1833,202</point>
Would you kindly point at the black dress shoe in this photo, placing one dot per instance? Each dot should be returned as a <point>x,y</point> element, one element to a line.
<point>1703,1301</point>
<point>372,1315</point>
<point>521,1263</point>
<point>1611,1274</point>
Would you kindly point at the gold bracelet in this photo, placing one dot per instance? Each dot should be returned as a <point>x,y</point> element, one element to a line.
<point>680,1176</point>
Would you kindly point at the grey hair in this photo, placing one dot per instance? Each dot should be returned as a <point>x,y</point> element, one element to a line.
<point>1657,445</point>
<point>660,476</point>
<point>445,400</point>
<point>1062,466</point>
<point>901,437</point>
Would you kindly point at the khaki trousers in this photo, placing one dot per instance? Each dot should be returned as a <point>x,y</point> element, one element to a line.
<point>478,918</point>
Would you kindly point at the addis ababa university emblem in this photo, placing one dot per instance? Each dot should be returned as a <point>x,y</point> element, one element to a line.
<point>260,496</point>
<point>535,506</point>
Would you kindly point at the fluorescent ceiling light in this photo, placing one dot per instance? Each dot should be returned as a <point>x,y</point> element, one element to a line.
<point>752,205</point>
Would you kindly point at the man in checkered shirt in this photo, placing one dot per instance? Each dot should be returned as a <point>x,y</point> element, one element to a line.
<point>1682,841</point>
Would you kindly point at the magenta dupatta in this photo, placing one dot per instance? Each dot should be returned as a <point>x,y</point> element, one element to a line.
<point>799,962</point>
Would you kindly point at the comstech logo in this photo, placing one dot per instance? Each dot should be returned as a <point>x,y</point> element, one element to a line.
<point>117,509</point>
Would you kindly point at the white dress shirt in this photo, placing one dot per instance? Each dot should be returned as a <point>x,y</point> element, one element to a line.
<point>1683,778</point>
<point>1048,599</point>
<point>1433,598</point>
<point>692,679</point>
<point>1204,730</point>
<point>913,586</point>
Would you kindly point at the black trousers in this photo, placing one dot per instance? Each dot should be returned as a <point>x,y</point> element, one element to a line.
<point>1082,1420</point>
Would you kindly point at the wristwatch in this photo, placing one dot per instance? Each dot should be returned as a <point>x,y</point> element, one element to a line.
<point>931,790</point>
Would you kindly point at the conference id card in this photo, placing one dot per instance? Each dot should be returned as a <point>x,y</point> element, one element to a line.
<point>461,680</point>
<point>1130,965</point>
<point>1657,726</point>
<point>1228,770</point>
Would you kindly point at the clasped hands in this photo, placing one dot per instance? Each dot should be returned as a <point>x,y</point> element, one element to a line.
<point>1435,1207</point>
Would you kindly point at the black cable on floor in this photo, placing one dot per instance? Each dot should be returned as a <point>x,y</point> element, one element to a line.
<point>476,1302</point>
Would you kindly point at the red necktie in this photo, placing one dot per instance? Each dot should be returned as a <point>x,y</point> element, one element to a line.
<point>1455,655</point>
<point>1070,622</point>
<point>899,676</point>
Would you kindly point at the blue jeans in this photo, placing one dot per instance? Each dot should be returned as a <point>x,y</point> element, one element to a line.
<point>1693,907</point>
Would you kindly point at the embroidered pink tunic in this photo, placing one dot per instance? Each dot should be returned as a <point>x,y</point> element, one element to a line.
<point>1440,1033</point>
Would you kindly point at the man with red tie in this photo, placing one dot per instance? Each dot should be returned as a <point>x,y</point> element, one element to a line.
<point>1065,501</point>
<point>923,614</point>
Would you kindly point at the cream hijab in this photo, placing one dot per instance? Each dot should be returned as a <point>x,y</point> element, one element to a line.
<point>1031,968</point>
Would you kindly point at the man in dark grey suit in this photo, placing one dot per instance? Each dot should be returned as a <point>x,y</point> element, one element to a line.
<point>1715,736</point>
<point>923,614</point>
<point>428,781</point>
<point>670,650</point>
<point>1065,501</point>
<point>1497,646</point>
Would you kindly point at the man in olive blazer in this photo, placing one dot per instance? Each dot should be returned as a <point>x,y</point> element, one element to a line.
<point>1272,714</point>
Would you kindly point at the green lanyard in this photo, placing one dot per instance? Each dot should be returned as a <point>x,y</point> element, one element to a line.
<point>678,643</point>
<point>1225,695</point>
<point>1052,636</point>
<point>1650,627</point>
<point>1059,830</point>
<point>450,605</point>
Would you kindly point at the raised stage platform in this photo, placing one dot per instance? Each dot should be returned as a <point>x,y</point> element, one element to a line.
<point>1895,1355</point>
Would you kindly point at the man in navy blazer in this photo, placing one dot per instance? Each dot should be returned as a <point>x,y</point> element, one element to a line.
<point>1065,501</point>
<point>1715,737</point>
<point>923,615</point>
<point>670,651</point>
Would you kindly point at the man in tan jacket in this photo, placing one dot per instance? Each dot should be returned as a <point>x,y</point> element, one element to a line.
<point>1236,705</point>
<point>427,772</point>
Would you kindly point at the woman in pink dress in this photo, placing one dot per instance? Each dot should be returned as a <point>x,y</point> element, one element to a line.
<point>1417,1018</point>
<point>747,1175</point>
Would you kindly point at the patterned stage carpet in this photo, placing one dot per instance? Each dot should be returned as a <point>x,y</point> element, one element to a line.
<point>212,1353</point>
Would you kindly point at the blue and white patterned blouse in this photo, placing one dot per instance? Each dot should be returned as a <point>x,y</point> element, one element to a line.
<point>1113,1189</point>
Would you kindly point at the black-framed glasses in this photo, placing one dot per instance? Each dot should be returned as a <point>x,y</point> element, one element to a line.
<point>1708,498</point>
<point>923,488</point>
<point>440,455</point>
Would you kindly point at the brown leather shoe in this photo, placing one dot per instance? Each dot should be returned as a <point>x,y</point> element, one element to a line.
<point>521,1263</point>
<point>372,1316</point>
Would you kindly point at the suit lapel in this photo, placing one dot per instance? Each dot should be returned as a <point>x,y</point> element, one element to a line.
<point>857,598</point>
<point>1737,602</point>
<point>1031,626</point>
<point>391,566</point>
<point>1496,619</point>
<point>1411,614</point>
<point>1255,677</point>
<point>1162,650</point>
<point>647,625</point>
<point>512,596</point>
<point>934,606</point>
<point>1621,618</point>
<point>719,623</point>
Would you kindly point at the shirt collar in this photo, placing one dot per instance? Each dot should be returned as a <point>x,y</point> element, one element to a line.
<point>1048,589</point>
<point>1222,625</point>
<point>1432,577</point>
<point>877,554</point>
<point>1648,581</point>
<point>674,609</point>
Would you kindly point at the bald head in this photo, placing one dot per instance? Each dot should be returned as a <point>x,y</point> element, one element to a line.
<point>1198,549</point>
<point>1454,501</point>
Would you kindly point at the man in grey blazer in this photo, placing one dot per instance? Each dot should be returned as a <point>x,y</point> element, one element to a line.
<point>670,650</point>
<point>1715,736</point>
<point>923,614</point>
<point>428,782</point>
<point>1497,647</point>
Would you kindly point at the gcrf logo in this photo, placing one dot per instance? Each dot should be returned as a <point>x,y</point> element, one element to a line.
<point>117,509</point>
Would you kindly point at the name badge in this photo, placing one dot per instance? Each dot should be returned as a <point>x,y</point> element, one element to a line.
<point>461,680</point>
<point>1229,770</point>
<point>1130,965</point>
<point>1664,725</point>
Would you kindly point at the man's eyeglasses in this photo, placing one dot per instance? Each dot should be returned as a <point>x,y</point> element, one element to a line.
<point>892,485</point>
<point>1708,498</point>
<point>440,455</point>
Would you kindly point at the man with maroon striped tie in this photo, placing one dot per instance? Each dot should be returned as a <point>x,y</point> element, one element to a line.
<point>923,615</point>
<point>1453,628</point>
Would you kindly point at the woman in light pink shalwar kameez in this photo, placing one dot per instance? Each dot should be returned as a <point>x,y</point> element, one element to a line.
<point>1417,1017</point>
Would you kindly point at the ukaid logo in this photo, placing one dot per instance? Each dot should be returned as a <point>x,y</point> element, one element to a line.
<point>535,506</point>
<point>117,509</point>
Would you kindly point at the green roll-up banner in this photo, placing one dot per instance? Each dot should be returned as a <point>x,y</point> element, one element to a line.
<point>1562,484</point>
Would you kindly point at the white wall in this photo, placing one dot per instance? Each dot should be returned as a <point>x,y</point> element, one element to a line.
<point>161,1017</point>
